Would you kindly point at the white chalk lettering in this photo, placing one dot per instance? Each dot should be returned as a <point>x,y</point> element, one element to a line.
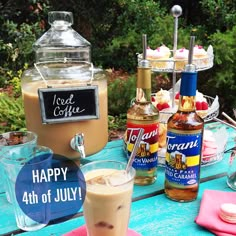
<point>62,101</point>
<point>68,111</point>
<point>64,107</point>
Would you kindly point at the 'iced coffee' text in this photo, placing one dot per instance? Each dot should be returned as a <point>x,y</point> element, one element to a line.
<point>64,107</point>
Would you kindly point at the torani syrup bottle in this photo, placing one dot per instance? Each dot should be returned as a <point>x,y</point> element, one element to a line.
<point>144,115</point>
<point>184,141</point>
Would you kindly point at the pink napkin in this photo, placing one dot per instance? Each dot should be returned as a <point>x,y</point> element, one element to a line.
<point>81,231</point>
<point>208,214</point>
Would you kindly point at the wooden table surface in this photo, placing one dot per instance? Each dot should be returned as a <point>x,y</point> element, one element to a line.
<point>152,214</point>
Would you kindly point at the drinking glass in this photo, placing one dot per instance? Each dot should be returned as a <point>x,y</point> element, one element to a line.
<point>108,197</point>
<point>23,143</point>
<point>231,174</point>
<point>19,165</point>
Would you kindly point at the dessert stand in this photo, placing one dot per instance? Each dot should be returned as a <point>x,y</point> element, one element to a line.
<point>169,65</point>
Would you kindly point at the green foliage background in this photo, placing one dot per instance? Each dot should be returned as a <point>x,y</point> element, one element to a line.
<point>114,29</point>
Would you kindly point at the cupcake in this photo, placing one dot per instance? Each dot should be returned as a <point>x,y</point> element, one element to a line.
<point>149,53</point>
<point>162,99</point>
<point>160,56</point>
<point>201,105</point>
<point>200,56</point>
<point>181,58</point>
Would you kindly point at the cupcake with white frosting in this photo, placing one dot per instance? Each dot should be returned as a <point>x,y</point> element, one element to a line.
<point>200,56</point>
<point>181,58</point>
<point>160,56</point>
<point>149,53</point>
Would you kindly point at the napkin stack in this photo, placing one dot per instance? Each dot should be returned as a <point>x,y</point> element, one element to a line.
<point>208,216</point>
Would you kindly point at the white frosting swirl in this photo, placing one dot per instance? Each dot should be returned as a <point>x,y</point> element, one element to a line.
<point>181,53</point>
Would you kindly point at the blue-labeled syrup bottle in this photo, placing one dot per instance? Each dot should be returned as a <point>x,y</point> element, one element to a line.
<point>184,140</point>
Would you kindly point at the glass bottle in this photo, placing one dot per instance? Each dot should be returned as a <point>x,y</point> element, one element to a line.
<point>142,114</point>
<point>184,143</point>
<point>231,174</point>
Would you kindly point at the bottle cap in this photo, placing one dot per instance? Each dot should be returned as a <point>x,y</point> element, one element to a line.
<point>188,83</point>
<point>189,75</point>
<point>190,67</point>
<point>144,63</point>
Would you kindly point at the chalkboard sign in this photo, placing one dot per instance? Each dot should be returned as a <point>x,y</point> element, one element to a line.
<point>59,105</point>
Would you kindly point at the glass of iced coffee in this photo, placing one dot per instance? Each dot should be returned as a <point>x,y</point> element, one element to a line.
<point>108,197</point>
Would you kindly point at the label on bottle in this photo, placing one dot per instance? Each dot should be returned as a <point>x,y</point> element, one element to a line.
<point>183,157</point>
<point>146,157</point>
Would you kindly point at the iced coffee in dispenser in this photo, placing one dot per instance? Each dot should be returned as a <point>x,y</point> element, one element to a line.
<point>65,97</point>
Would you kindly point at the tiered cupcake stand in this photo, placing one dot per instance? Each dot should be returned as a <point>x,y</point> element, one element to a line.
<point>201,65</point>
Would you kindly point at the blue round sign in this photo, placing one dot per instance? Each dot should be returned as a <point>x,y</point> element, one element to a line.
<point>50,187</point>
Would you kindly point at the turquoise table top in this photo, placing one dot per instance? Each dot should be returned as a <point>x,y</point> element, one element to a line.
<point>152,213</point>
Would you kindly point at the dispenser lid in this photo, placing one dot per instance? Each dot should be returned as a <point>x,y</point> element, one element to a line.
<point>61,36</point>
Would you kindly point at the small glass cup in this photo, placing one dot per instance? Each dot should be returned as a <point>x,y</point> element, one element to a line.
<point>23,142</point>
<point>18,166</point>
<point>231,174</point>
<point>108,197</point>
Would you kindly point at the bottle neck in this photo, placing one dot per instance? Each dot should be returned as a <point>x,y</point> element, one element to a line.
<point>187,103</point>
<point>143,88</point>
<point>60,25</point>
<point>188,89</point>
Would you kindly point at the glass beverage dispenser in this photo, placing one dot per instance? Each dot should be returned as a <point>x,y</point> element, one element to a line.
<point>65,97</point>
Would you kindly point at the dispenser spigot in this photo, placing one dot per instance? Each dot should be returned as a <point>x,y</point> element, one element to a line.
<point>77,143</point>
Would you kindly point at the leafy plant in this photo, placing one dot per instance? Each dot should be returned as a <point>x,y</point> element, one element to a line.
<point>218,13</point>
<point>21,25</point>
<point>12,116</point>
<point>224,77</point>
<point>117,122</point>
<point>120,93</point>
